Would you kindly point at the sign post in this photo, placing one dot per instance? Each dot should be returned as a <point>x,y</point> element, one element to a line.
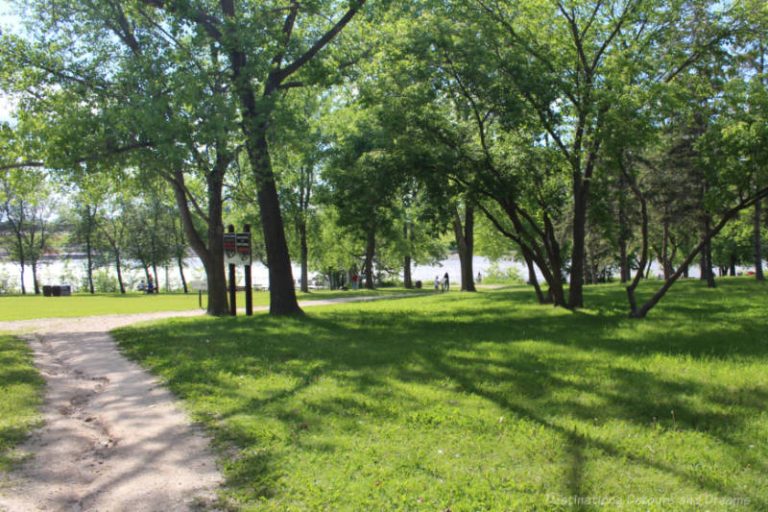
<point>237,251</point>
<point>248,283</point>
<point>230,246</point>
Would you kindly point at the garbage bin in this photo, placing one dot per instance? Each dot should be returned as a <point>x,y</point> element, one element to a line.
<point>417,284</point>
<point>46,291</point>
<point>66,290</point>
<point>56,291</point>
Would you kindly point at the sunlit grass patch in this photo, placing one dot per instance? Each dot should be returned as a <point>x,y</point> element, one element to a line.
<point>21,390</point>
<point>26,307</point>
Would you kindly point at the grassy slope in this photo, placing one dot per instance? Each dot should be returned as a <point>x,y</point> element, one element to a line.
<point>483,402</point>
<point>21,392</point>
<point>26,307</point>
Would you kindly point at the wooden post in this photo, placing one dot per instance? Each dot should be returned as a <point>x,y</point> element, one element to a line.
<point>232,282</point>
<point>248,283</point>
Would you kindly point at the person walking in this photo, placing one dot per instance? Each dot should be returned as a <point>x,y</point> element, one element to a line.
<point>446,282</point>
<point>437,283</point>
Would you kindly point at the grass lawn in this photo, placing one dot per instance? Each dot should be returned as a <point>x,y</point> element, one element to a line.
<point>21,391</point>
<point>27,307</point>
<point>483,401</point>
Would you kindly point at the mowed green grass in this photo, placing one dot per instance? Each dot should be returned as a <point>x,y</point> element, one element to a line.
<point>486,401</point>
<point>20,397</point>
<point>27,307</point>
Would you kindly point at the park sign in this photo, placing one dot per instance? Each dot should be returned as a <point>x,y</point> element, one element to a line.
<point>237,249</point>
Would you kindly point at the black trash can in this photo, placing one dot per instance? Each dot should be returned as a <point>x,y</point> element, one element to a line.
<point>66,290</point>
<point>56,291</point>
<point>417,284</point>
<point>46,291</point>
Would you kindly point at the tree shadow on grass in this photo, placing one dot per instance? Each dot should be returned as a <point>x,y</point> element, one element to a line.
<point>489,351</point>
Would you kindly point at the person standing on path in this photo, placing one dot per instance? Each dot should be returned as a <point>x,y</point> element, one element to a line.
<point>437,283</point>
<point>446,283</point>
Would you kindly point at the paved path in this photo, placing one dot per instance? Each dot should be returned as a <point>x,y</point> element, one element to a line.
<point>113,438</point>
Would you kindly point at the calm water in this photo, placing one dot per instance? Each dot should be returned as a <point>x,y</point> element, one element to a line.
<point>72,272</point>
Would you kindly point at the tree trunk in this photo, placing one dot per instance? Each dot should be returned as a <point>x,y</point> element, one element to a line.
<point>624,233</point>
<point>758,241</point>
<point>35,283</point>
<point>180,263</point>
<point>89,263</point>
<point>665,259</point>
<point>22,263</point>
<point>370,251</point>
<point>212,253</point>
<point>304,255</point>
<point>407,279</point>
<point>157,281</point>
<point>576,290</point>
<point>255,124</point>
<point>282,295</point>
<point>119,270</point>
<point>465,243</point>
<point>710,275</point>
<point>732,265</point>
<point>23,287</point>
<point>623,261</point>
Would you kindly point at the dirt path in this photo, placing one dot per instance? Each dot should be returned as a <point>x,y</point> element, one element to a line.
<point>113,438</point>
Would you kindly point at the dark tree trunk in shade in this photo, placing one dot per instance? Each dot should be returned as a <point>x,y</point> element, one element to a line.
<point>407,279</point>
<point>370,251</point>
<point>157,281</point>
<point>758,241</point>
<point>624,232</point>
<point>119,272</point>
<point>576,290</point>
<point>89,263</point>
<point>35,283</point>
<point>665,258</point>
<point>282,294</point>
<point>709,275</point>
<point>623,262</point>
<point>732,265</point>
<point>464,232</point>
<point>180,264</point>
